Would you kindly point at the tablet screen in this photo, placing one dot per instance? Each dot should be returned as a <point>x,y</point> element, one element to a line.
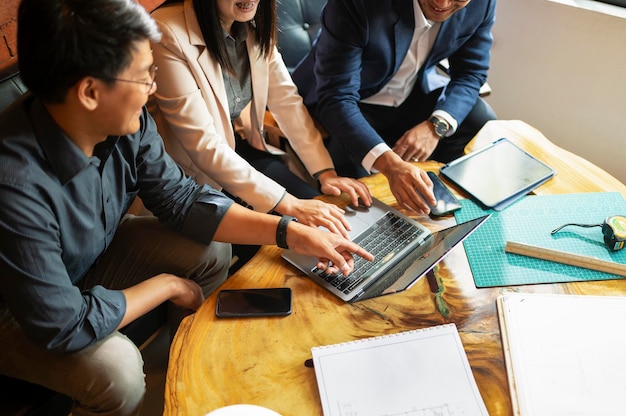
<point>498,174</point>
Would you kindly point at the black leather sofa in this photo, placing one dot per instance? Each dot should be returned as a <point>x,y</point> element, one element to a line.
<point>298,23</point>
<point>11,86</point>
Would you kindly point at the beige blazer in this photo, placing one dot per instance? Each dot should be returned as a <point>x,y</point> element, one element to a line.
<point>193,116</point>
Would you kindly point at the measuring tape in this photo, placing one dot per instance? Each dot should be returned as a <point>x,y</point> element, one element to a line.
<point>613,230</point>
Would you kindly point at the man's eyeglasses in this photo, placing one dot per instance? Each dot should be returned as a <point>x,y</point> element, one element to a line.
<point>149,85</point>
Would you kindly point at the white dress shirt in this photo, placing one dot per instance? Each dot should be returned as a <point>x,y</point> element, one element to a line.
<point>401,85</point>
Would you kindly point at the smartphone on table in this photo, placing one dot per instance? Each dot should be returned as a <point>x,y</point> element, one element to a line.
<point>446,201</point>
<point>233,303</point>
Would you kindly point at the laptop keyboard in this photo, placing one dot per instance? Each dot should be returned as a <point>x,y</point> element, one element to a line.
<point>384,240</point>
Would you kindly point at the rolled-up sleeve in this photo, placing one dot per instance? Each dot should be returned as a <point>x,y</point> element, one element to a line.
<point>36,278</point>
<point>175,198</point>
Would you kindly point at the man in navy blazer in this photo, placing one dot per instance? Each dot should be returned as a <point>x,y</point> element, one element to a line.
<point>371,80</point>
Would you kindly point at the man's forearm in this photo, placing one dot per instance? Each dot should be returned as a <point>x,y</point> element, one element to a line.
<point>243,226</point>
<point>386,162</point>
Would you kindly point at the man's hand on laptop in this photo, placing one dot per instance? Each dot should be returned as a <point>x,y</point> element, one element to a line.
<point>409,184</point>
<point>333,251</point>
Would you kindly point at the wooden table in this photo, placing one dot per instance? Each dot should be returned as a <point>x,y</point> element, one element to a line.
<point>260,361</point>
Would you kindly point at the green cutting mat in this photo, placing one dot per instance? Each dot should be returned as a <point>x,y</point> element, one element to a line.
<point>530,221</point>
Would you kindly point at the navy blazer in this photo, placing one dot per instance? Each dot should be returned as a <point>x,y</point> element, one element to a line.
<point>360,47</point>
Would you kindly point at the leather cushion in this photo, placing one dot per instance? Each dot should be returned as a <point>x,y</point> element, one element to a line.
<point>298,23</point>
<point>11,87</point>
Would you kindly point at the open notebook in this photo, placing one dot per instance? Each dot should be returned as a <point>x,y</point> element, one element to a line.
<point>418,372</point>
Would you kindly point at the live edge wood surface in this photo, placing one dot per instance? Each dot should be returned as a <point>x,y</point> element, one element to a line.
<point>218,362</point>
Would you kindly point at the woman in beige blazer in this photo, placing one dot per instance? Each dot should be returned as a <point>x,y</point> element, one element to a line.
<point>195,116</point>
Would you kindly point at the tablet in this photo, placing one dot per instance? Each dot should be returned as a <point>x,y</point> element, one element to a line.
<point>498,174</point>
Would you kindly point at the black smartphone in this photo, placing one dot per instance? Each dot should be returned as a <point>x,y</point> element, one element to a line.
<point>446,201</point>
<point>232,303</point>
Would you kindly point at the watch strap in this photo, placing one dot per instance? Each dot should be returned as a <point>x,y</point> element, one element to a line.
<point>281,230</point>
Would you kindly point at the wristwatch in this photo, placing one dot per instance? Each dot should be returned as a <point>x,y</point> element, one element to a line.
<point>441,126</point>
<point>281,230</point>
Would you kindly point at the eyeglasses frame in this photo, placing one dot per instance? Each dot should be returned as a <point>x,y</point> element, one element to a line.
<point>150,85</point>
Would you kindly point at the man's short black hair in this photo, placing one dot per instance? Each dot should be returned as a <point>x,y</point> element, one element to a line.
<point>60,42</point>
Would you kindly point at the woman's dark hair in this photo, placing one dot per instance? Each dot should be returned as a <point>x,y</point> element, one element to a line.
<point>264,26</point>
<point>60,42</point>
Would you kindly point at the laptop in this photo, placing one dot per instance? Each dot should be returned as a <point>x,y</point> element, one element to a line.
<point>404,251</point>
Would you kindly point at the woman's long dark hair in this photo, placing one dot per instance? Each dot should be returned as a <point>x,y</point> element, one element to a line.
<point>264,26</point>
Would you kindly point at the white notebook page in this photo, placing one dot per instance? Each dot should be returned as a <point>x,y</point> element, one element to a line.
<point>415,373</point>
<point>565,354</point>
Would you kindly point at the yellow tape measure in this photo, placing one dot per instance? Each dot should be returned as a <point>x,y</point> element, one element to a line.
<point>613,230</point>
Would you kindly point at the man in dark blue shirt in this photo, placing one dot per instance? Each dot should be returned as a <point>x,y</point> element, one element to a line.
<point>74,153</point>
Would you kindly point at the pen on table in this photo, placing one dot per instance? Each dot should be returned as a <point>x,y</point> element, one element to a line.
<point>308,362</point>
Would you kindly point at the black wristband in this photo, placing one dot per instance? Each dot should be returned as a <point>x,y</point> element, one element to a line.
<point>281,231</point>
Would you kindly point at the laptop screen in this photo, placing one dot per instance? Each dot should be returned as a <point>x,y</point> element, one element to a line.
<point>426,256</point>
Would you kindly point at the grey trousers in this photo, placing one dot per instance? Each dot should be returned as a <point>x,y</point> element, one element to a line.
<point>107,377</point>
